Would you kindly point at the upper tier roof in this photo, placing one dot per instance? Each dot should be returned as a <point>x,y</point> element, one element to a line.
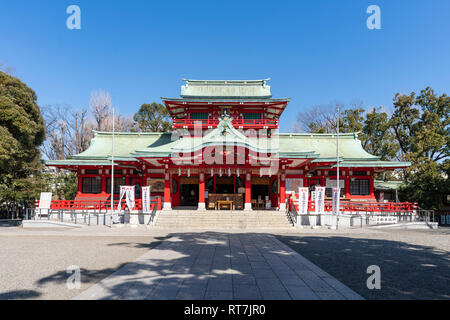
<point>226,89</point>
<point>204,95</point>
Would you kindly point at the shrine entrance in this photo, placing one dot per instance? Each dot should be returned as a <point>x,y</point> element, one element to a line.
<point>260,193</point>
<point>188,191</point>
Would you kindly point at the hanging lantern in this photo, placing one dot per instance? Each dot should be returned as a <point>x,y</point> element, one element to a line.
<point>189,172</point>
<point>260,172</point>
<point>237,172</point>
<point>229,172</point>
<point>212,172</point>
<point>220,172</point>
<point>179,172</point>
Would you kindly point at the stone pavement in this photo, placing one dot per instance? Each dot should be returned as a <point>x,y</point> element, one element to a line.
<point>219,265</point>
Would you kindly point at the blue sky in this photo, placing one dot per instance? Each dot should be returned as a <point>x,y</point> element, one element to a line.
<point>314,51</point>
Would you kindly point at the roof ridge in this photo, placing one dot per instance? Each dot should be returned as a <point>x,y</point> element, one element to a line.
<point>108,133</point>
<point>346,134</point>
<point>226,81</point>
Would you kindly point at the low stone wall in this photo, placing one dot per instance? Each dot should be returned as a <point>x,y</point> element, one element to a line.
<point>345,220</point>
<point>91,217</point>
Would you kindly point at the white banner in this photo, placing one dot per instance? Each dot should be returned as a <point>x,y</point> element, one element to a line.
<point>146,199</point>
<point>320,200</point>
<point>46,200</point>
<point>336,195</point>
<point>303,200</point>
<point>130,197</point>
<point>128,191</point>
<point>122,193</point>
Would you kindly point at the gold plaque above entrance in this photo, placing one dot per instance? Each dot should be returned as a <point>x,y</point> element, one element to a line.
<point>224,180</point>
<point>260,180</point>
<point>188,180</point>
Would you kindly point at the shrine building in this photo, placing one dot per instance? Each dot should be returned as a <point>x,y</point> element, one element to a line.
<point>225,151</point>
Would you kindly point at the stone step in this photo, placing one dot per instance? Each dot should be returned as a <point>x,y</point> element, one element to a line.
<point>222,219</point>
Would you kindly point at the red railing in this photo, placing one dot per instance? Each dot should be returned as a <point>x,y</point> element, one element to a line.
<point>244,123</point>
<point>98,204</point>
<point>354,206</point>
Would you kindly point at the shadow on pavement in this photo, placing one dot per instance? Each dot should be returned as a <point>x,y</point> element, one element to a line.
<point>407,271</point>
<point>203,260</point>
<point>19,295</point>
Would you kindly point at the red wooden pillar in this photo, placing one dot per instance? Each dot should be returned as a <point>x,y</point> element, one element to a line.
<point>80,184</point>
<point>248,192</point>
<point>371,187</point>
<point>167,203</point>
<point>347,186</point>
<point>201,191</point>
<point>103,183</point>
<point>283,192</point>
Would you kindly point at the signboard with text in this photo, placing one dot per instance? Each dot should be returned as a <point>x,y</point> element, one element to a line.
<point>128,192</point>
<point>320,200</point>
<point>146,199</point>
<point>336,195</point>
<point>303,200</point>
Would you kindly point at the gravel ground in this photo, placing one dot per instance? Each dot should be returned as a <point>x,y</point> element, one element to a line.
<point>414,263</point>
<point>33,266</point>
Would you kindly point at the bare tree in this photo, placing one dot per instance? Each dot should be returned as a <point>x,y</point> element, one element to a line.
<point>100,104</point>
<point>318,119</point>
<point>56,119</point>
<point>81,131</point>
<point>7,69</point>
<point>323,118</point>
<point>68,132</point>
<point>125,124</point>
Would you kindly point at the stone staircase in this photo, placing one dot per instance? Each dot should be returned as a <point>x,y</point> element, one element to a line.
<point>208,219</point>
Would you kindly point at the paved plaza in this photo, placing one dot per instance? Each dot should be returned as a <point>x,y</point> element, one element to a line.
<point>145,263</point>
<point>414,264</point>
<point>220,266</point>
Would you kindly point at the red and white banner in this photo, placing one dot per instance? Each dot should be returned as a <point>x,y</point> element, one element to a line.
<point>303,200</point>
<point>146,199</point>
<point>320,200</point>
<point>336,195</point>
<point>128,191</point>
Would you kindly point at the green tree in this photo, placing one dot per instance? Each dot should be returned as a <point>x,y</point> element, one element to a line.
<point>351,120</point>
<point>22,131</point>
<point>377,136</point>
<point>62,183</point>
<point>421,127</point>
<point>153,118</point>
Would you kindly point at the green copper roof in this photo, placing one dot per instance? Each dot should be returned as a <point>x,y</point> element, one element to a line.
<point>320,147</point>
<point>125,143</point>
<point>325,145</point>
<point>373,163</point>
<point>71,162</point>
<point>225,89</point>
